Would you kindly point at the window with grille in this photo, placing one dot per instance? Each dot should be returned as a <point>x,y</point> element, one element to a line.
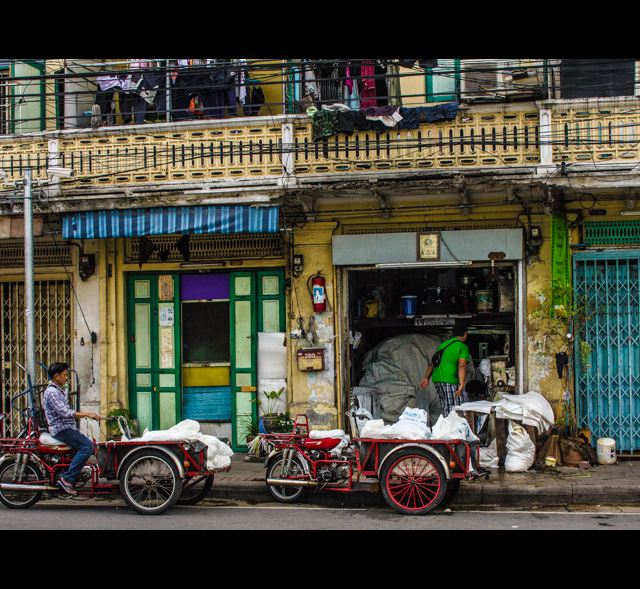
<point>53,321</point>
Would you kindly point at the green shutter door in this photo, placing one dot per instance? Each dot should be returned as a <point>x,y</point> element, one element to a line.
<point>154,349</point>
<point>243,352</point>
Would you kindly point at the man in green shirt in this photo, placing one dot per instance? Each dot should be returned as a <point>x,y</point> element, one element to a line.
<point>450,375</point>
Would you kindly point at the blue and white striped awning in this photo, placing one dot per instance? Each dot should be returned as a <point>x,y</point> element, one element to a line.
<point>167,220</point>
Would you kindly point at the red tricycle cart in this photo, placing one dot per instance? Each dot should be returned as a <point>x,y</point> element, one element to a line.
<point>150,476</point>
<point>414,476</point>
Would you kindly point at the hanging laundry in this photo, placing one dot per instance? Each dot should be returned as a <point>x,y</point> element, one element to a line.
<point>324,123</point>
<point>440,112</point>
<point>394,90</point>
<point>310,84</point>
<point>368,84</point>
<point>388,115</point>
<point>410,118</point>
<point>329,83</point>
<point>350,92</point>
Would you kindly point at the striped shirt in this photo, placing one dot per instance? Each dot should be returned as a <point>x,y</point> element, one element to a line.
<point>56,408</point>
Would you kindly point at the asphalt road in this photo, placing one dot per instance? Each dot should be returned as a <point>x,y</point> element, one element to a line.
<point>74,514</point>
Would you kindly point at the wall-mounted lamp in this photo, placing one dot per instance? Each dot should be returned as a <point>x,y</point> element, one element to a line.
<point>401,265</point>
<point>634,213</point>
<point>205,266</point>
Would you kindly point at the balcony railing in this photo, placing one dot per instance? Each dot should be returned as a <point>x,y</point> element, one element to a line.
<point>254,148</point>
<point>260,149</point>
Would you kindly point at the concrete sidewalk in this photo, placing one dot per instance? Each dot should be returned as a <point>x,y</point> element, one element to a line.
<point>600,485</point>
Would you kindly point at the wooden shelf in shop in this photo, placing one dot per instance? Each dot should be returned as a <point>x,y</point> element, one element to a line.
<point>474,319</point>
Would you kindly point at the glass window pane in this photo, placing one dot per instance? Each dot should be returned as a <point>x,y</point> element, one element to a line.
<point>443,80</point>
<point>205,332</point>
<point>271,316</point>
<point>270,285</point>
<point>243,286</point>
<point>142,289</point>
<point>243,334</point>
<point>143,336</point>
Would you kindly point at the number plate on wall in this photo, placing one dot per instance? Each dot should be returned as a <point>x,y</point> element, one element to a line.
<point>310,359</point>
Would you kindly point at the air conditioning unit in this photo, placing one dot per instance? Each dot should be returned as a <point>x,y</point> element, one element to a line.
<point>484,80</point>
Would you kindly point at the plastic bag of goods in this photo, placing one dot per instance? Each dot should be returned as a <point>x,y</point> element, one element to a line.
<point>453,427</point>
<point>521,451</point>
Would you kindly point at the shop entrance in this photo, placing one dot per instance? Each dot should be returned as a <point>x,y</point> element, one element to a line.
<point>193,346</point>
<point>384,303</point>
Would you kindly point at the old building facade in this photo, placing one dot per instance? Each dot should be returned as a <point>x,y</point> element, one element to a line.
<point>522,195</point>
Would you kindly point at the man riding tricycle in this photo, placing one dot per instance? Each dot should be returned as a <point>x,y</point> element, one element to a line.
<point>151,475</point>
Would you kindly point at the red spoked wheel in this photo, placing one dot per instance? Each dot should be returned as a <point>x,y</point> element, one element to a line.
<point>413,481</point>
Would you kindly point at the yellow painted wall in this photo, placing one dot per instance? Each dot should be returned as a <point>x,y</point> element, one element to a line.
<point>272,85</point>
<point>413,87</point>
<point>314,393</point>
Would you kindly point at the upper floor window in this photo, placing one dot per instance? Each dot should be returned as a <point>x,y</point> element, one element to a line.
<point>443,81</point>
<point>592,78</point>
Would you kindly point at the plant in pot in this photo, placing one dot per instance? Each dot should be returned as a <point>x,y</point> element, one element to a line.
<point>273,421</point>
<point>249,428</point>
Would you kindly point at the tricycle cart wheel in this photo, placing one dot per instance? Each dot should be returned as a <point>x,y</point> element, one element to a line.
<point>149,482</point>
<point>195,489</point>
<point>19,499</point>
<point>413,481</point>
<point>274,471</point>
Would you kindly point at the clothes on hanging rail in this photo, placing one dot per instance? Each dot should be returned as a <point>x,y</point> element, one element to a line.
<point>367,84</point>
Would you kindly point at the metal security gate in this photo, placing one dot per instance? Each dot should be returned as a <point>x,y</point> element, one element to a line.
<point>52,337</point>
<point>607,284</point>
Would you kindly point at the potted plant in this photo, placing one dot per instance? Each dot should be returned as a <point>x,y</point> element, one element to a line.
<point>273,421</point>
<point>249,428</point>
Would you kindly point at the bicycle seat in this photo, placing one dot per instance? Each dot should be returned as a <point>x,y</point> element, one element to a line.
<point>49,444</point>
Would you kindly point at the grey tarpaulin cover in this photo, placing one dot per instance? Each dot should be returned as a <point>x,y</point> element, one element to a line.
<point>394,369</point>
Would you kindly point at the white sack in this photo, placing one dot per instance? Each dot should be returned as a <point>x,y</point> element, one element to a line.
<point>521,451</point>
<point>415,415</point>
<point>489,456</point>
<point>218,453</point>
<point>453,427</point>
<point>373,428</point>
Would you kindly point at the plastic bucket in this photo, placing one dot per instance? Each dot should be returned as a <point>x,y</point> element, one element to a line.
<point>484,301</point>
<point>606,451</point>
<point>409,304</point>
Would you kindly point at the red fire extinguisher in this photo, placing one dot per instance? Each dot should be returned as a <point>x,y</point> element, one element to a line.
<point>318,292</point>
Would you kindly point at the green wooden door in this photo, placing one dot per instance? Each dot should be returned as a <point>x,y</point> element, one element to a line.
<point>242,317</point>
<point>154,349</point>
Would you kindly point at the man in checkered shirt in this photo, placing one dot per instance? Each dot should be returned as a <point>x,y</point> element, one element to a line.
<point>62,424</point>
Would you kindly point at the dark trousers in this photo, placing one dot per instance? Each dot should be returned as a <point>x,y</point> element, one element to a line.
<point>84,449</point>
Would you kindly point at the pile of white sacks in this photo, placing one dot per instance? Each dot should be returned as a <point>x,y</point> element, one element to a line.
<point>529,409</point>
<point>412,425</point>
<point>218,453</point>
